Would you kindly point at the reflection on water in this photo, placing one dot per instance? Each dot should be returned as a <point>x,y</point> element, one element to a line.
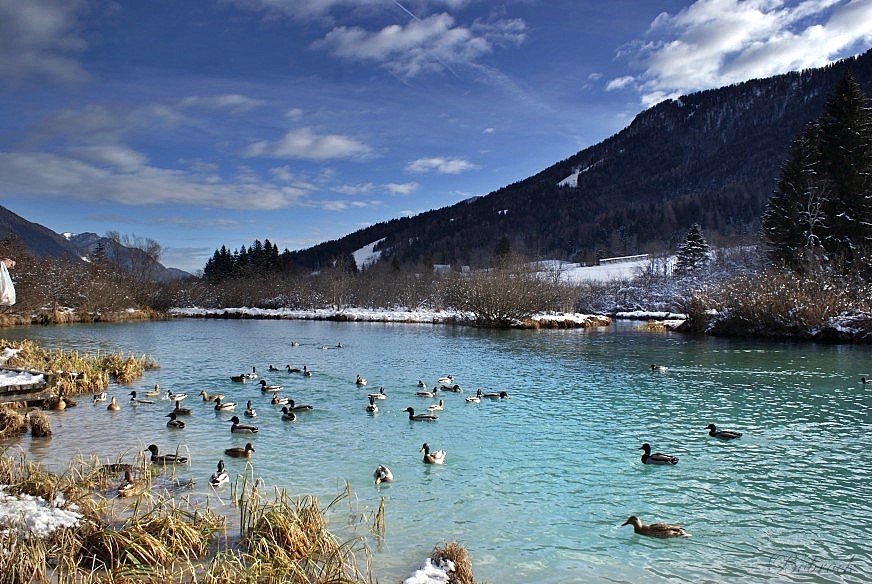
<point>535,486</point>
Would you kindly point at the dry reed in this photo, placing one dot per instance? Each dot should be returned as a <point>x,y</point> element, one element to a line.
<point>40,425</point>
<point>459,557</point>
<point>12,422</point>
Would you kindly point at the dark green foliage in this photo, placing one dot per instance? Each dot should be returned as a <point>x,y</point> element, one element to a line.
<point>257,260</point>
<point>821,212</point>
<point>692,255</point>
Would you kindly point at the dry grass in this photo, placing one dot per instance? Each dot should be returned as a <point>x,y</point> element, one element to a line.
<point>12,422</point>
<point>40,425</point>
<point>459,557</point>
<point>651,326</point>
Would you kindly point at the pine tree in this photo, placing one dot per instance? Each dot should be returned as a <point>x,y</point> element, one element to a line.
<point>692,255</point>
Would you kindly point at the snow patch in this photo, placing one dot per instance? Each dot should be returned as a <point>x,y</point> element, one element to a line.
<point>29,516</point>
<point>367,255</point>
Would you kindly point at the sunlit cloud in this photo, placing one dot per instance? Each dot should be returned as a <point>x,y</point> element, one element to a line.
<point>440,165</point>
<point>354,190</point>
<point>401,188</point>
<point>306,144</point>
<point>619,83</point>
<point>713,43</point>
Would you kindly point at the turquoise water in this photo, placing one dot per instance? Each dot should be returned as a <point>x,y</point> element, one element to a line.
<point>535,486</point>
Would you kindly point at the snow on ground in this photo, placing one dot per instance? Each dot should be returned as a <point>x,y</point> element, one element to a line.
<point>9,377</point>
<point>367,254</point>
<point>8,354</point>
<point>432,574</point>
<point>30,516</point>
<point>574,273</point>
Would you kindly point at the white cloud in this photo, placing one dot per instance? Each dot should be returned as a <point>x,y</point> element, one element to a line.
<point>320,9</point>
<point>40,39</point>
<point>488,131</point>
<point>40,175</point>
<point>712,43</point>
<point>354,190</point>
<point>305,144</point>
<point>401,188</point>
<point>294,113</point>
<point>229,101</point>
<point>423,45</point>
<point>620,82</point>
<point>440,165</point>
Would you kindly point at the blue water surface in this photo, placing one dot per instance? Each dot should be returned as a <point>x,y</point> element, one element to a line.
<point>535,486</point>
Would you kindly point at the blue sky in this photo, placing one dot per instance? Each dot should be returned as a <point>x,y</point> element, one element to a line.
<point>217,122</point>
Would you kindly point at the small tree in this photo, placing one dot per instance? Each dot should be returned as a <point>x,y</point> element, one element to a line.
<point>692,255</point>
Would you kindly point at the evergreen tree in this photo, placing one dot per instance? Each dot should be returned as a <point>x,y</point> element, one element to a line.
<point>693,253</point>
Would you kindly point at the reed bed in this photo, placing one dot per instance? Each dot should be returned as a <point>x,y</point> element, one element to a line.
<point>40,425</point>
<point>459,557</point>
<point>72,373</point>
<point>12,422</point>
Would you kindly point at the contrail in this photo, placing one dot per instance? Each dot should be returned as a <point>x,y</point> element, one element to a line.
<point>406,10</point>
<point>412,15</point>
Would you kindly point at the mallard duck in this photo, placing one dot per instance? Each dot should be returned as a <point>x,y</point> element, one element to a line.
<point>221,406</point>
<point>722,434</point>
<point>446,379</point>
<point>176,396</point>
<point>253,374</point>
<point>420,417</point>
<point>130,487</point>
<point>371,407</point>
<point>249,411</point>
<point>496,395</point>
<point>380,395</point>
<point>435,457</point>
<point>476,398</point>
<point>180,411</point>
<point>135,400</point>
<point>272,368</point>
<point>113,405</point>
<point>58,404</point>
<point>306,372</point>
<point>238,378</point>
<point>437,407</point>
<point>219,477</point>
<point>426,393</point>
<point>288,415</point>
<point>265,388</point>
<point>360,380</point>
<point>299,408</point>
<point>661,530</point>
<point>240,452</point>
<point>383,474</point>
<point>657,457</point>
<point>174,423</point>
<point>295,343</point>
<point>293,369</point>
<point>452,388</point>
<point>864,380</point>
<point>100,397</point>
<point>659,368</point>
<point>238,428</point>
<point>279,401</point>
<point>153,392</point>
<point>421,384</point>
<point>210,398</point>
<point>165,458</point>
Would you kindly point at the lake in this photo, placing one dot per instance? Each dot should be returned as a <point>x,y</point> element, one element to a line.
<point>535,486</point>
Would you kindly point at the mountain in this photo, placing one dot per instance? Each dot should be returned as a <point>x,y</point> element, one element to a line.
<point>710,157</point>
<point>41,241</point>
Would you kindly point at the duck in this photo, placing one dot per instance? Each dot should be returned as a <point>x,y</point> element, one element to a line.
<point>253,374</point>
<point>452,388</point>
<point>100,397</point>
<point>496,395</point>
<point>60,404</point>
<point>476,398</point>
<point>210,398</point>
<point>176,397</point>
<point>113,405</point>
<point>293,369</point>
<point>299,408</point>
<point>279,401</point>
<point>661,530</point>
<point>659,368</point>
<point>360,380</point>
<point>722,434</point>
<point>129,487</point>
<point>249,411</point>
<point>306,372</point>
<point>446,379</point>
<point>240,451</point>
<point>371,407</point>
<point>383,474</point>
<point>380,395</point>
<point>165,458</point>
<point>420,417</point>
<point>426,393</point>
<point>436,407</point>
<point>657,457</point>
<point>221,406</point>
<point>264,387</point>
<point>435,457</point>
<point>180,411</point>
<point>238,428</point>
<point>174,423</point>
<point>219,477</point>
<point>864,380</point>
<point>238,378</point>
<point>153,392</point>
<point>273,368</point>
<point>288,415</point>
<point>295,343</point>
<point>422,384</point>
<point>135,400</point>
